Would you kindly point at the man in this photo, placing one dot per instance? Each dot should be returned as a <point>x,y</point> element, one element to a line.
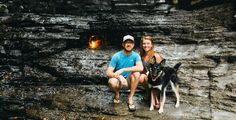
<point>124,71</point>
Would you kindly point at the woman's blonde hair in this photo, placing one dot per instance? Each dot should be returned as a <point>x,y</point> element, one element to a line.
<point>142,52</point>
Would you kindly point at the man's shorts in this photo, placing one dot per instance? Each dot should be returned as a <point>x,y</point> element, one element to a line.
<point>128,79</point>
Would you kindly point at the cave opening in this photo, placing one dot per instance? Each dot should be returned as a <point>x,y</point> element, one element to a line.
<point>106,39</point>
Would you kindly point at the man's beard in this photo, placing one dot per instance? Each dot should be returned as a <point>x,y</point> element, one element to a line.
<point>128,50</point>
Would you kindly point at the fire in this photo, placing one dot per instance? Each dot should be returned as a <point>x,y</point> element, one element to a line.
<point>94,42</point>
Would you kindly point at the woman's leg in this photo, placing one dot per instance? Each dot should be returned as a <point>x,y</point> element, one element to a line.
<point>143,80</point>
<point>144,83</point>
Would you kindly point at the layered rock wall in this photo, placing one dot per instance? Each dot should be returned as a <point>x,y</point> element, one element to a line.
<point>46,42</point>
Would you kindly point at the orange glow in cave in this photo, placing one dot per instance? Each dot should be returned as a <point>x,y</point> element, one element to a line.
<point>94,42</point>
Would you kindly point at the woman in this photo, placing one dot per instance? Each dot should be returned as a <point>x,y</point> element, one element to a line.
<point>147,53</point>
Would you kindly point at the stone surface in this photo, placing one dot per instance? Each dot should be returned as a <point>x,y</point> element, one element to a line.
<point>48,71</point>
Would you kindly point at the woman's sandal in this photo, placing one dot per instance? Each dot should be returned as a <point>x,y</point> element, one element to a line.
<point>131,107</point>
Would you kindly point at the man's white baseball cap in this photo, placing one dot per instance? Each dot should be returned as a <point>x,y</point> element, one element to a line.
<point>128,37</point>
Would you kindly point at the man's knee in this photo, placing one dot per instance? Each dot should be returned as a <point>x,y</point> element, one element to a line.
<point>135,77</point>
<point>113,82</point>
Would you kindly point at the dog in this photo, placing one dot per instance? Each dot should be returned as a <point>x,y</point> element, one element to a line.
<point>159,77</point>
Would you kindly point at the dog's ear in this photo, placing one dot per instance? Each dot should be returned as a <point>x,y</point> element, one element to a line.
<point>176,67</point>
<point>163,62</point>
<point>154,59</point>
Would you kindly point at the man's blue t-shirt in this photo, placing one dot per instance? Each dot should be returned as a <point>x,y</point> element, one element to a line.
<point>119,61</point>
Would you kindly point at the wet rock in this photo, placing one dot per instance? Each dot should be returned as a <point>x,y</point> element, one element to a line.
<point>3,10</point>
<point>91,102</point>
<point>218,114</point>
<point>45,58</point>
<point>2,50</point>
<point>221,70</point>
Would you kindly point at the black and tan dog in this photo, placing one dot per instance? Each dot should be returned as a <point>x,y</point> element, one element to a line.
<point>158,79</point>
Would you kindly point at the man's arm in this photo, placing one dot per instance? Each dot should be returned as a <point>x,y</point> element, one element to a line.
<point>137,68</point>
<point>110,73</point>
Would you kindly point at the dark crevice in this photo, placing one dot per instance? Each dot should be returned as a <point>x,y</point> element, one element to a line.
<point>216,59</point>
<point>11,108</point>
<point>231,59</point>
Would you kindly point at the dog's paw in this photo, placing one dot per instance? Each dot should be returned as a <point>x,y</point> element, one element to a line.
<point>160,111</point>
<point>177,105</point>
<point>151,108</point>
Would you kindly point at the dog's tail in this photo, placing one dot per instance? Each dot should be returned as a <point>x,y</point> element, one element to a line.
<point>176,67</point>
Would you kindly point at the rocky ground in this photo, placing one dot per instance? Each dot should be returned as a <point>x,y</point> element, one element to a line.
<point>95,102</point>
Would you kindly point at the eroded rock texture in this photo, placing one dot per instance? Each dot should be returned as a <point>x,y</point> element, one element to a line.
<point>45,58</point>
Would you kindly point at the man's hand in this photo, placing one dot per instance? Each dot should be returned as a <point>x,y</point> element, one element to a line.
<point>111,74</point>
<point>119,71</point>
<point>115,75</point>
